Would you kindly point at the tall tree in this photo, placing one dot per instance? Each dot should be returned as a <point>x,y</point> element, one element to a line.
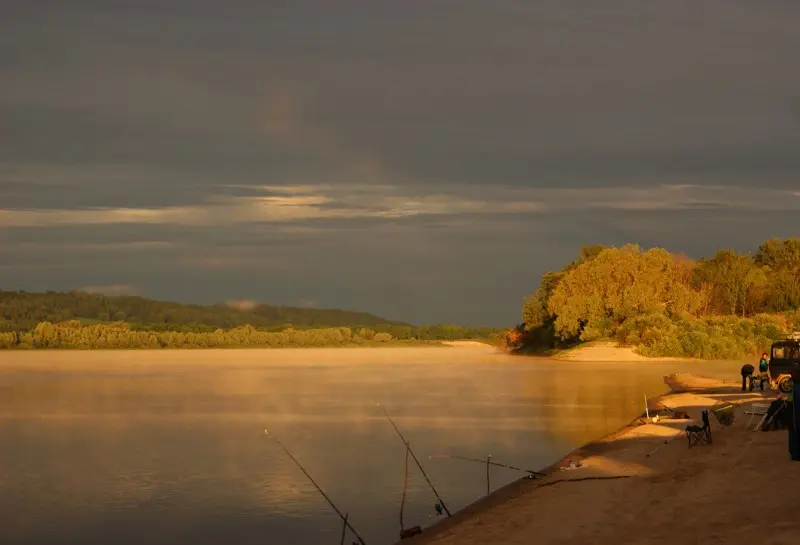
<point>781,262</point>
<point>735,282</point>
<point>535,310</point>
<point>595,297</point>
<point>778,253</point>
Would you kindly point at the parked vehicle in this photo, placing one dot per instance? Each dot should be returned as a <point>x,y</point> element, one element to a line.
<point>784,363</point>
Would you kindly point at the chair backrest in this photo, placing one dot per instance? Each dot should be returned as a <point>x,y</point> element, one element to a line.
<point>706,423</point>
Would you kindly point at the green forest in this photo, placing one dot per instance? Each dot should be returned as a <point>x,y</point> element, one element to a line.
<point>89,321</point>
<point>21,311</point>
<point>727,306</point>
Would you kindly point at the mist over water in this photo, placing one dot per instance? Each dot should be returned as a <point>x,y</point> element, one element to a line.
<point>162,447</point>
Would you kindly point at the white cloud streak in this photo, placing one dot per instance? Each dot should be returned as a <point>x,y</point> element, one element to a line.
<point>287,204</point>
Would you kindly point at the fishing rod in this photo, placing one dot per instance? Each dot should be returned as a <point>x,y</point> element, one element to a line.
<point>666,441</point>
<point>310,478</point>
<point>419,465</point>
<point>488,483</point>
<point>344,529</point>
<point>453,456</point>
<point>405,488</point>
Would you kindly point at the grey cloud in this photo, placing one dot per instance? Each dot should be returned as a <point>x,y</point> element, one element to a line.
<point>447,268</point>
<point>422,123</point>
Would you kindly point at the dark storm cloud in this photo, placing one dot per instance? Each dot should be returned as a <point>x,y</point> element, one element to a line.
<point>414,158</point>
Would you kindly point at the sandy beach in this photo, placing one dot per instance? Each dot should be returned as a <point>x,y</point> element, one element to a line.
<point>604,351</point>
<point>635,488</point>
<point>470,344</point>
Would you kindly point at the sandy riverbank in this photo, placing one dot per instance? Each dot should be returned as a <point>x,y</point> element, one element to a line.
<point>636,489</point>
<point>600,351</point>
<point>606,351</point>
<point>470,344</point>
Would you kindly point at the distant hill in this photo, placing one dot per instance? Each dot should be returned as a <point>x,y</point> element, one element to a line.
<point>21,310</point>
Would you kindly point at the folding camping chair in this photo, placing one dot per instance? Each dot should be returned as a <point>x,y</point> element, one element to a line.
<point>698,435</point>
<point>756,409</point>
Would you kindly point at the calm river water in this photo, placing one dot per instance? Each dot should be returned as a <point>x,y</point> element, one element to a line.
<point>166,447</point>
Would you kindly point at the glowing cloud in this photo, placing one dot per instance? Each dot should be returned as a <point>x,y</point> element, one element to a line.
<point>292,204</point>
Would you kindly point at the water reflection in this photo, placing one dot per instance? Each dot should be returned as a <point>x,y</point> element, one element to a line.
<point>165,447</point>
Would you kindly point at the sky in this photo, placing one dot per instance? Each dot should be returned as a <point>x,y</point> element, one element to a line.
<point>425,161</point>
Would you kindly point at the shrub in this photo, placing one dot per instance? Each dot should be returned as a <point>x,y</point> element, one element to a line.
<point>725,337</point>
<point>598,328</point>
<point>633,331</point>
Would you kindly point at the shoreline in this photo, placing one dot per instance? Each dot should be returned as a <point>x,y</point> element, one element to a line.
<point>466,343</point>
<point>604,351</point>
<point>515,488</point>
<point>136,360</point>
<point>687,394</point>
<point>593,352</point>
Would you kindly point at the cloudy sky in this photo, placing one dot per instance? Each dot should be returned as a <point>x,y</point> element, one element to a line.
<point>423,160</point>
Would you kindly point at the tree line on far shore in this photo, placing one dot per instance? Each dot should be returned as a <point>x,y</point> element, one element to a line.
<point>728,306</point>
<point>22,311</point>
<point>75,335</point>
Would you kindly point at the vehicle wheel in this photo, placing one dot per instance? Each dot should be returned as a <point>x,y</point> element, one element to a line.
<point>785,385</point>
